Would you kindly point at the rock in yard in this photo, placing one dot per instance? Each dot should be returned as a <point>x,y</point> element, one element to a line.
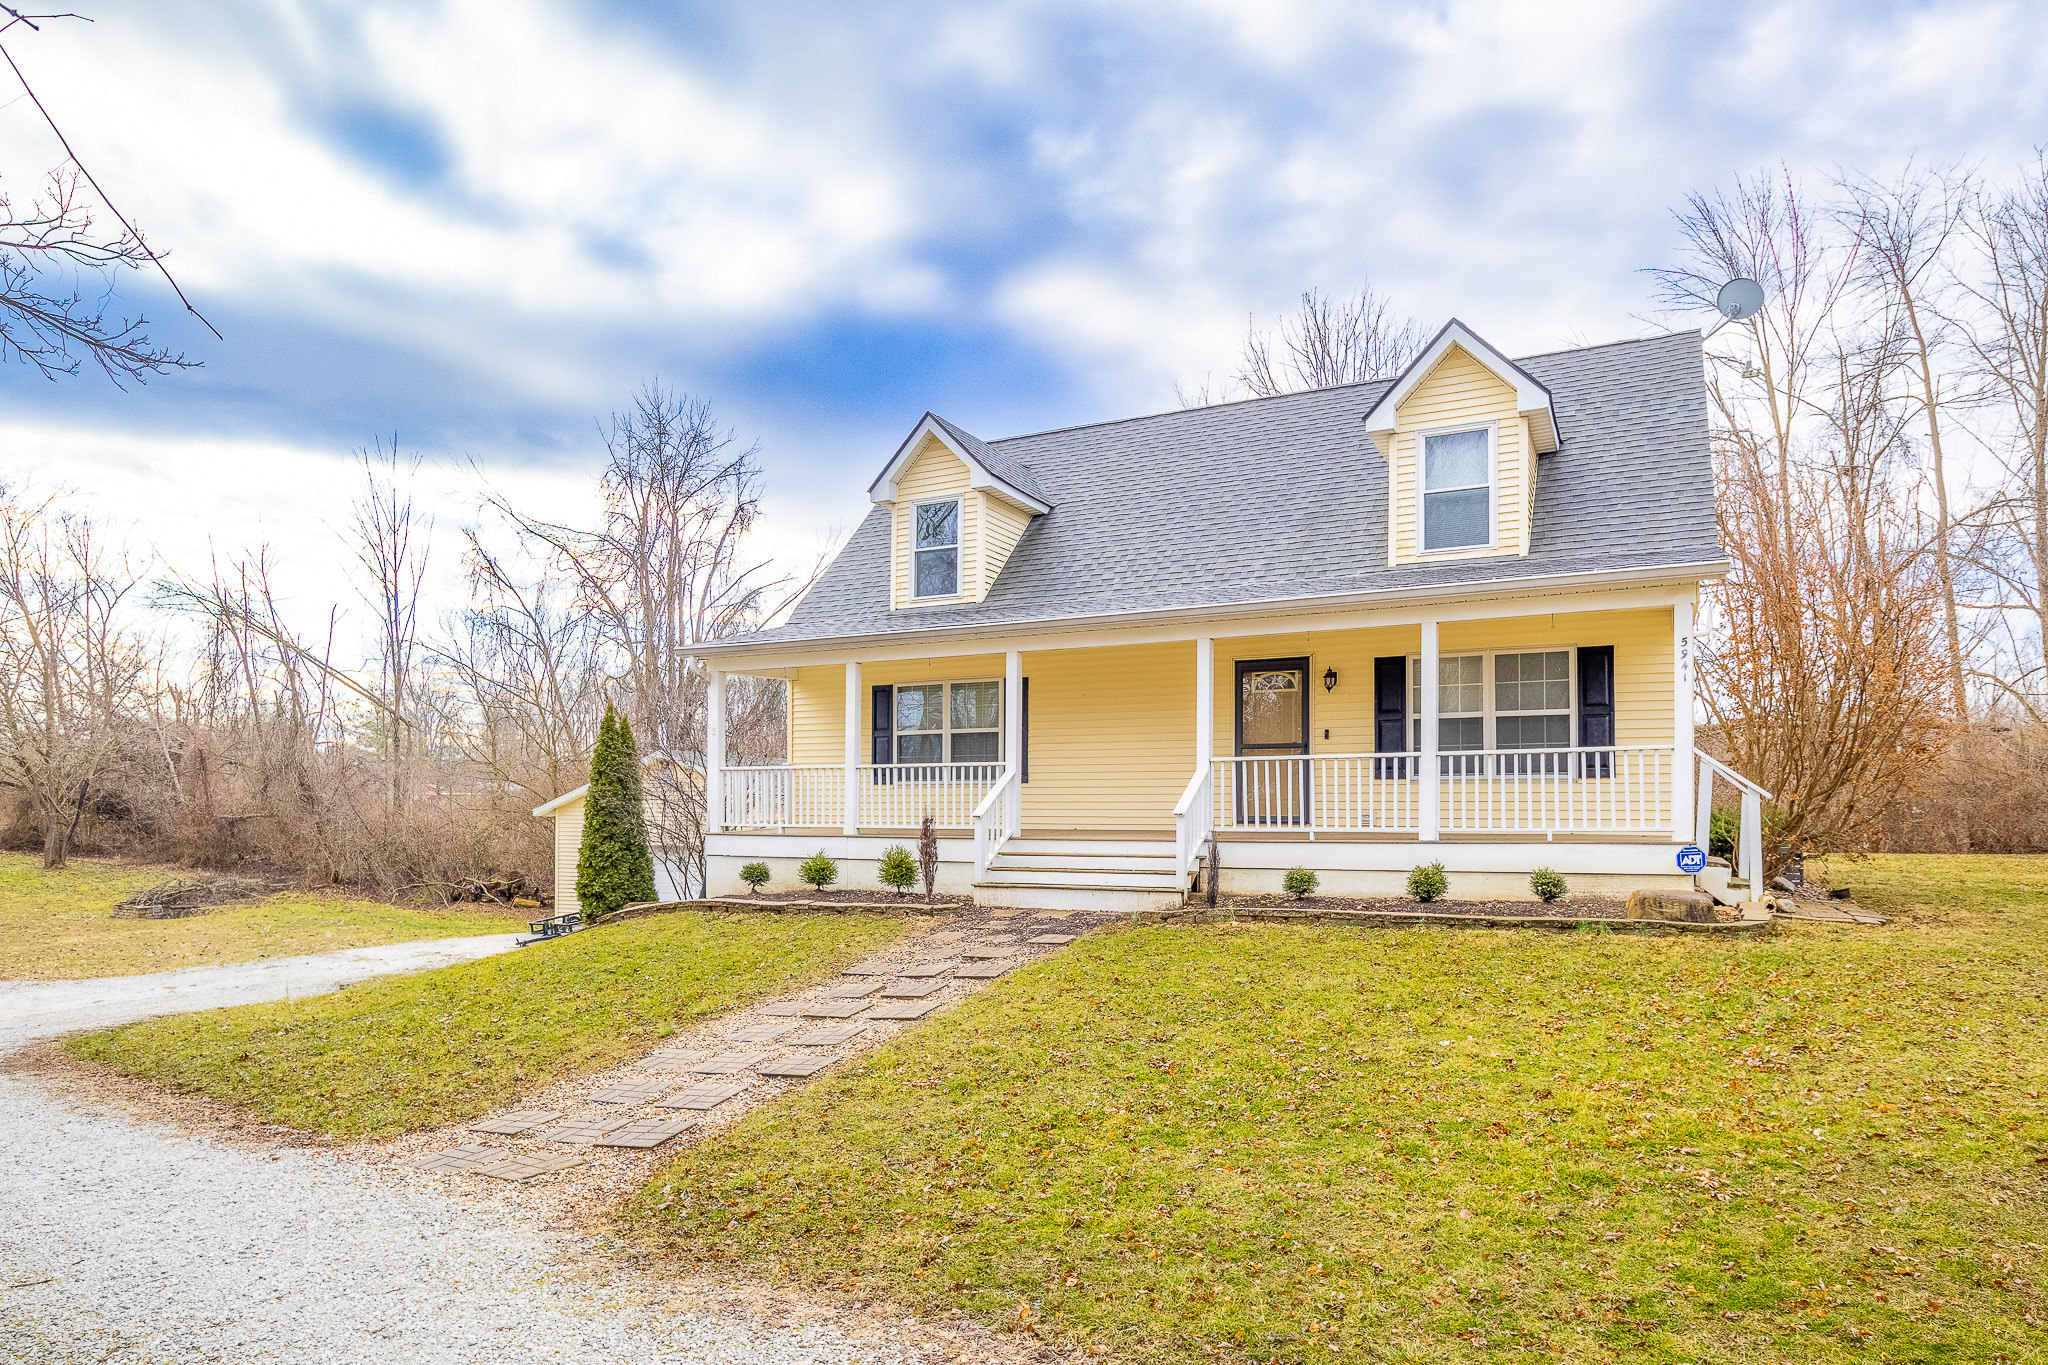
<point>1695,907</point>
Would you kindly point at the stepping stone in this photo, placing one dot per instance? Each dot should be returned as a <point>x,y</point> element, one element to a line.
<point>1052,914</point>
<point>981,952</point>
<point>982,971</point>
<point>927,969</point>
<point>584,1132</point>
<point>998,938</point>
<point>853,990</point>
<point>519,1166</point>
<point>467,1157</point>
<point>670,1061</point>
<point>795,1066</point>
<point>1054,939</point>
<point>645,1132</point>
<point>912,990</point>
<point>832,1035</point>
<point>518,1121</point>
<point>1004,912</point>
<point>727,1063</point>
<point>869,969</point>
<point>904,1009</point>
<point>633,1092</point>
<point>704,1095</point>
<point>788,1009</point>
<point>951,936</point>
<point>834,1009</point>
<point>760,1033</point>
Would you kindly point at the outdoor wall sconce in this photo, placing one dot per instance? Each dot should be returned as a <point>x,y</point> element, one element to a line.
<point>1329,680</point>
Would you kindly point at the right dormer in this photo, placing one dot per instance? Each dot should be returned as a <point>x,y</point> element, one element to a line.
<point>1460,430</point>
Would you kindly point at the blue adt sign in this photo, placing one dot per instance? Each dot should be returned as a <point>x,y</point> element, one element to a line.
<point>1691,859</point>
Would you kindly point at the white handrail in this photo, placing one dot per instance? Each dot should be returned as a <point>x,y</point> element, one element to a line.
<point>1193,819</point>
<point>1749,828</point>
<point>1737,778</point>
<point>996,820</point>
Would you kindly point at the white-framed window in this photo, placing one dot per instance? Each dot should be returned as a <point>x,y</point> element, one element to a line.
<point>1457,489</point>
<point>1505,699</point>
<point>950,722</point>
<point>935,548</point>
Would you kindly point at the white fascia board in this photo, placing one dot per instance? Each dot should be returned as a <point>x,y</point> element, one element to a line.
<point>1532,400</point>
<point>882,492</point>
<point>1660,586</point>
<point>564,799</point>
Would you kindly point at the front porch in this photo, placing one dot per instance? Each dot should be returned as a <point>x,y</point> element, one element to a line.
<point>1560,739</point>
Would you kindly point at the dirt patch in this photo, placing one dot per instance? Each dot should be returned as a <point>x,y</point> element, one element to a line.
<point>1570,908</point>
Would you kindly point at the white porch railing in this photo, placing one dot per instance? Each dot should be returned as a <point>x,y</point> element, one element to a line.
<point>886,796</point>
<point>998,818</point>
<point>900,795</point>
<point>1749,833</point>
<point>1193,821</point>
<point>1317,793</point>
<point>782,797</point>
<point>1538,792</point>
<point>1557,791</point>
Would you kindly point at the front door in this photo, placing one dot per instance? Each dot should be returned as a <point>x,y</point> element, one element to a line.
<point>1272,725</point>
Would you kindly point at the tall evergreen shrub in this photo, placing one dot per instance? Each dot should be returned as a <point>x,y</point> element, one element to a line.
<point>614,867</point>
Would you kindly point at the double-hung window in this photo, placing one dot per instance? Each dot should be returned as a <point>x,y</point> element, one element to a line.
<point>1457,490</point>
<point>935,556</point>
<point>949,722</point>
<point>1460,704</point>
<point>1519,700</point>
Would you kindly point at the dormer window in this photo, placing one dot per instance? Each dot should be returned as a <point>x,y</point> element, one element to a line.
<point>936,567</point>
<point>1457,490</point>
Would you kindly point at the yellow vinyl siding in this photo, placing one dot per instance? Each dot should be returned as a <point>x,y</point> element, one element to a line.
<point>1112,736</point>
<point>1346,711</point>
<point>568,845</point>
<point>817,716</point>
<point>1642,658</point>
<point>935,473</point>
<point>1002,526</point>
<point>1460,392</point>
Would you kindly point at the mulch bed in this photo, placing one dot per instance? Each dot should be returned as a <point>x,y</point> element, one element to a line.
<point>878,896</point>
<point>1570,908</point>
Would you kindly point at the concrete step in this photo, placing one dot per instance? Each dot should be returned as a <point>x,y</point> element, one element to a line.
<point>1044,896</point>
<point>1066,876</point>
<point>1090,849</point>
<point>1008,860</point>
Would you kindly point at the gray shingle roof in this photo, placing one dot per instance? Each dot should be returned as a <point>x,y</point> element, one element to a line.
<point>996,461</point>
<point>1282,498</point>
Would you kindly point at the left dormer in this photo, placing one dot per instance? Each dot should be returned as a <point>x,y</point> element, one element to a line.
<point>957,508</point>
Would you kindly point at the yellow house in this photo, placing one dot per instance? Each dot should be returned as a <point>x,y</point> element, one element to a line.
<point>1443,618</point>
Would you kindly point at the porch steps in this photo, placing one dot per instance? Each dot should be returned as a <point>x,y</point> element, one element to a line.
<point>1080,874</point>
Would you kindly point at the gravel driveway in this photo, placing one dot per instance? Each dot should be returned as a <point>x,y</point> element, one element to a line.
<point>124,1243</point>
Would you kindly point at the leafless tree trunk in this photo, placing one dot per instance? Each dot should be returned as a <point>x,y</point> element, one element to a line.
<point>1328,342</point>
<point>392,543</point>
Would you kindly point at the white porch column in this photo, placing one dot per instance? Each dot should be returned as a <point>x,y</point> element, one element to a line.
<point>1013,711</point>
<point>714,752</point>
<point>1432,780</point>
<point>1681,723</point>
<point>851,822</point>
<point>1205,702</point>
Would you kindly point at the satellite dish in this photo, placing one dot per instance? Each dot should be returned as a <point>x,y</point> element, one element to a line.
<point>1739,298</point>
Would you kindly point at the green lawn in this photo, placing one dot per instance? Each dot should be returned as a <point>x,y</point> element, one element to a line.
<point>1301,1143</point>
<point>60,926</point>
<point>436,1047</point>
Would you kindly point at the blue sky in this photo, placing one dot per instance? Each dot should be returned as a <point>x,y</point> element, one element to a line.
<point>479,225</point>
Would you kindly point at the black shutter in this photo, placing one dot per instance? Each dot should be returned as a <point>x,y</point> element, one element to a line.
<point>883,749</point>
<point>1390,713</point>
<point>1024,735</point>
<point>1596,706</point>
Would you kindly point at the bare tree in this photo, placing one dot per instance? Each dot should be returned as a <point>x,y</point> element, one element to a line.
<point>46,318</point>
<point>1324,343</point>
<point>392,543</point>
<point>1906,227</point>
<point>69,674</point>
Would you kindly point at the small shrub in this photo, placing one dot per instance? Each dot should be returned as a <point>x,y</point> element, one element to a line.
<point>1300,882</point>
<point>1428,882</point>
<point>1547,885</point>
<point>818,870</point>
<point>755,875</point>
<point>898,869</point>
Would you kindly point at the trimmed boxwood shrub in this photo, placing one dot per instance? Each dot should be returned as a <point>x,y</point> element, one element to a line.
<point>1428,882</point>
<point>755,875</point>
<point>1300,882</point>
<point>898,869</point>
<point>818,870</point>
<point>1547,884</point>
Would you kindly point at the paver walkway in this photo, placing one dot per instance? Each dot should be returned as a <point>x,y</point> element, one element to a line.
<point>756,1055</point>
